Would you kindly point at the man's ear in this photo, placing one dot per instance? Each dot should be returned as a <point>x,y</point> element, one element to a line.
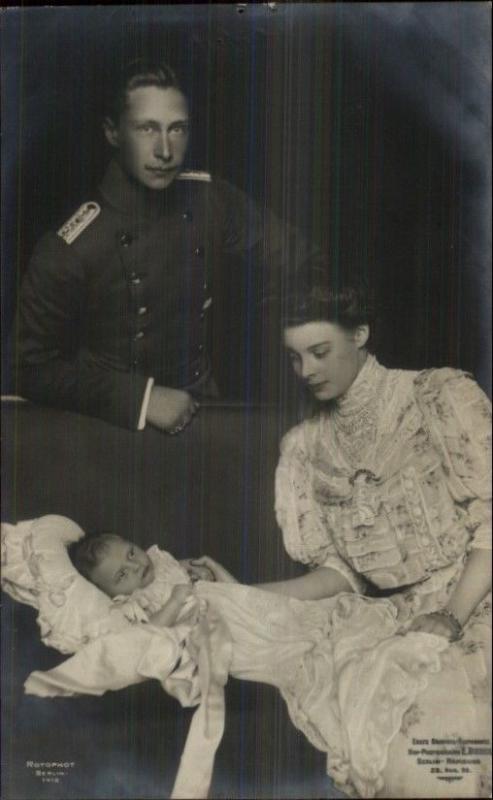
<point>361,335</point>
<point>111,132</point>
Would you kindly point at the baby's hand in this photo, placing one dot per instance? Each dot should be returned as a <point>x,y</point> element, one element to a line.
<point>180,594</point>
<point>170,612</point>
<point>216,570</point>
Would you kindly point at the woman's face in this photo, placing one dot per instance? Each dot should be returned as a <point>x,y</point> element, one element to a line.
<point>326,356</point>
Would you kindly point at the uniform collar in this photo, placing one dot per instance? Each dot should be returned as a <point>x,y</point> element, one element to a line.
<point>127,196</point>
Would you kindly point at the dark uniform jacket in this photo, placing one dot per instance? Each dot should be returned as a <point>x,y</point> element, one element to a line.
<point>128,294</point>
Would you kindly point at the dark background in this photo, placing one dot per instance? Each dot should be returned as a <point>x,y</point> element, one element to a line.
<point>211,490</point>
<point>365,125</point>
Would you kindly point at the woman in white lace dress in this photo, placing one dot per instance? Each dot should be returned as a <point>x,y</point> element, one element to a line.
<point>385,492</point>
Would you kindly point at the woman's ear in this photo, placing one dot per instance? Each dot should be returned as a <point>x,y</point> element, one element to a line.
<point>361,335</point>
<point>111,132</point>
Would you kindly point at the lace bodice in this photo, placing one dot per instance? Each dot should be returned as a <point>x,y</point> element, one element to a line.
<point>391,482</point>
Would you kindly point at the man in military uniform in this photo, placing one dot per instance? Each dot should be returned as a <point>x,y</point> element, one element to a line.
<point>115,306</point>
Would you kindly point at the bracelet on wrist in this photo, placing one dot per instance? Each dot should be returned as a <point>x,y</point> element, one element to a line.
<point>458,630</point>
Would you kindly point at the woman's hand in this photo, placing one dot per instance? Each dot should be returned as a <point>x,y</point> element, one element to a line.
<point>196,572</point>
<point>198,567</point>
<point>437,623</point>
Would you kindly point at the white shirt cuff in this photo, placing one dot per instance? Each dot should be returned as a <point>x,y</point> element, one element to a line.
<point>145,403</point>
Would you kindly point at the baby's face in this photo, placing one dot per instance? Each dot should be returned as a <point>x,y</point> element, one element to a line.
<point>123,568</point>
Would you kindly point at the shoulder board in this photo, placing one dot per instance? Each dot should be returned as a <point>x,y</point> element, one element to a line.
<point>194,175</point>
<point>79,221</point>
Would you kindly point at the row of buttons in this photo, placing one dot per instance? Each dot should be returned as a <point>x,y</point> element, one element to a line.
<point>135,280</point>
<point>126,240</point>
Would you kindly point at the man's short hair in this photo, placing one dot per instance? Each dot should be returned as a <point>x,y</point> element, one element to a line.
<point>88,553</point>
<point>135,74</point>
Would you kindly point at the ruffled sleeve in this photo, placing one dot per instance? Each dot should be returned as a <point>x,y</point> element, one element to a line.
<point>305,533</point>
<point>459,419</point>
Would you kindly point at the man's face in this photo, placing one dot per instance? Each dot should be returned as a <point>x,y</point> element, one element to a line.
<point>151,136</point>
<point>122,568</point>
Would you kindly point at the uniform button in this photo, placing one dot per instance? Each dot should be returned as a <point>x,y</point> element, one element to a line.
<point>202,315</point>
<point>187,215</point>
<point>199,251</point>
<point>196,373</point>
<point>201,347</point>
<point>135,362</point>
<point>142,310</point>
<point>126,239</point>
<point>139,335</point>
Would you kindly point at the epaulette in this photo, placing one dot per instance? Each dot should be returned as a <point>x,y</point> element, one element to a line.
<point>79,221</point>
<point>194,175</point>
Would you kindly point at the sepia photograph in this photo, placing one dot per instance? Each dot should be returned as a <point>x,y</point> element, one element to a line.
<point>246,401</point>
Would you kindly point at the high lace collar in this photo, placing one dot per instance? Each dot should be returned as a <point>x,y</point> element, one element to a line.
<point>363,390</point>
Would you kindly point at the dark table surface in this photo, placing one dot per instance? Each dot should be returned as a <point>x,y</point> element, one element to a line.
<point>209,490</point>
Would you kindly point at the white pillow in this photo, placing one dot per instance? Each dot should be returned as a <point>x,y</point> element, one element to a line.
<point>36,569</point>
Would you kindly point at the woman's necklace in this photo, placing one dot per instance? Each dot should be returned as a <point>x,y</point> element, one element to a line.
<point>356,434</point>
<point>355,415</point>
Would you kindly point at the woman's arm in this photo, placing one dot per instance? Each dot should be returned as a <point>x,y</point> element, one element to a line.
<point>321,582</point>
<point>459,411</point>
<point>473,585</point>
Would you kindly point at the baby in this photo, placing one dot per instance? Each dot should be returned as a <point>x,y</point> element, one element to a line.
<point>320,654</point>
<point>159,585</point>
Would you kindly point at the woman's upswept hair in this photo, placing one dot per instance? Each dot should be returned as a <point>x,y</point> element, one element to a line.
<point>337,296</point>
<point>133,75</point>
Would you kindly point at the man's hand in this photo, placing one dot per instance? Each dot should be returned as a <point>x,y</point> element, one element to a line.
<point>170,410</point>
<point>198,565</point>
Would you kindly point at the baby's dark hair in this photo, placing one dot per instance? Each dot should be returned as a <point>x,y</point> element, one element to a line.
<point>87,553</point>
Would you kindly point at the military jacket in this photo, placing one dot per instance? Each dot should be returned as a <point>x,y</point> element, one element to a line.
<point>125,289</point>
